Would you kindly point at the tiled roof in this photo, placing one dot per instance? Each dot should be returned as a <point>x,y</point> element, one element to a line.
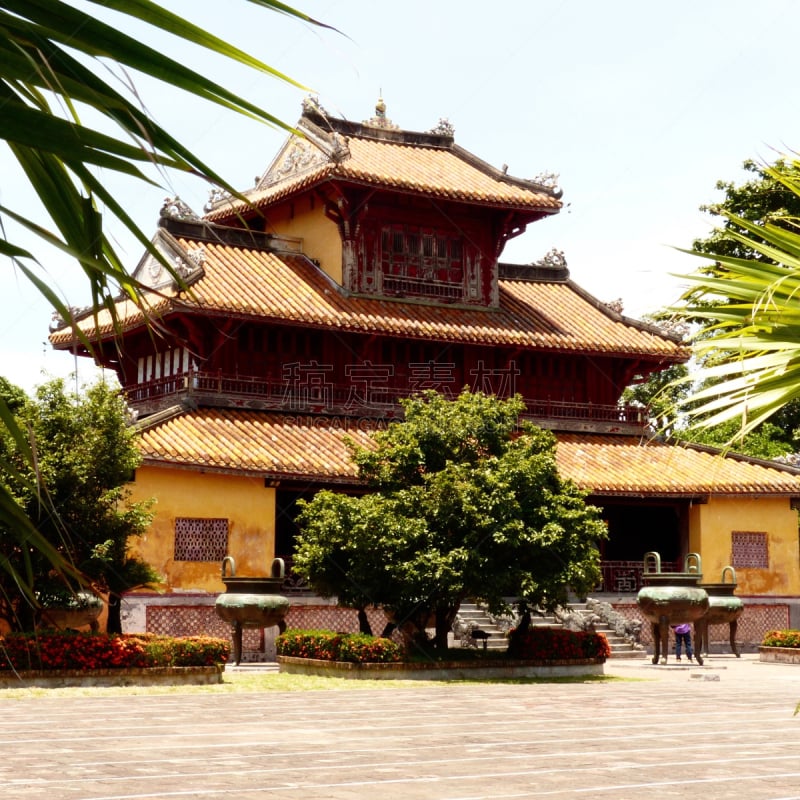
<point>448,172</point>
<point>625,465</point>
<point>247,441</point>
<point>267,443</point>
<point>553,315</point>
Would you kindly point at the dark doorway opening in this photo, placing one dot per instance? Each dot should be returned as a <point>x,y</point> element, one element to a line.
<point>637,528</point>
<point>286,511</point>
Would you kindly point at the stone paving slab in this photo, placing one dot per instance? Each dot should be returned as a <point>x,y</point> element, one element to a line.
<point>664,732</point>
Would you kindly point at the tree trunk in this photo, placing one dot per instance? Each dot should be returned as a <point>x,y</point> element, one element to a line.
<point>444,624</point>
<point>114,621</point>
<point>363,622</point>
<point>26,616</point>
<point>518,634</point>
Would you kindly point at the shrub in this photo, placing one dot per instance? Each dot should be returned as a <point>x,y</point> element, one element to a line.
<point>329,646</point>
<point>359,647</point>
<point>781,639</point>
<point>85,651</point>
<point>557,644</point>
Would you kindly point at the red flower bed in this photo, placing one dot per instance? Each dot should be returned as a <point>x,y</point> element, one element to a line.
<point>87,651</point>
<point>786,638</point>
<point>557,644</point>
<point>329,646</point>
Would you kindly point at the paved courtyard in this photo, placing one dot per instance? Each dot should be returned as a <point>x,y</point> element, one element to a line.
<point>724,731</point>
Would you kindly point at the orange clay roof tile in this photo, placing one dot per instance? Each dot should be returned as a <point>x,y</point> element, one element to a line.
<point>447,173</point>
<point>245,441</point>
<point>264,442</point>
<point>554,315</point>
<point>630,465</point>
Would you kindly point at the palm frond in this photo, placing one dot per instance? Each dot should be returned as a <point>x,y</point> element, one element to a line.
<point>748,343</point>
<point>50,52</point>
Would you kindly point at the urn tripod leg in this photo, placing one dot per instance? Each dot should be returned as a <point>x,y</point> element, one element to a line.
<point>656,641</point>
<point>700,639</point>
<point>663,624</point>
<point>237,643</point>
<point>734,625</point>
<point>700,632</point>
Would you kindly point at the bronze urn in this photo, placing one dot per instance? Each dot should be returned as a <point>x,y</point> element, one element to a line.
<point>252,602</point>
<point>723,609</point>
<point>671,598</point>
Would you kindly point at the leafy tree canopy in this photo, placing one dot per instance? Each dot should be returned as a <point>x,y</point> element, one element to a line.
<point>760,200</point>
<point>84,454</point>
<point>464,503</point>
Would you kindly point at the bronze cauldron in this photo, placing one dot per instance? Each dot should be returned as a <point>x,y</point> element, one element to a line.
<point>671,598</point>
<point>252,602</point>
<point>723,608</point>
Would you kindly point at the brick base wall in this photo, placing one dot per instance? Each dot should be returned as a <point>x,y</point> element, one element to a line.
<point>199,618</point>
<point>257,644</point>
<point>755,621</point>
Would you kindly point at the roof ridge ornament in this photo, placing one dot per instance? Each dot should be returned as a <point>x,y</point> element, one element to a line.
<point>380,120</point>
<point>555,259</point>
<point>175,208</point>
<point>443,128</point>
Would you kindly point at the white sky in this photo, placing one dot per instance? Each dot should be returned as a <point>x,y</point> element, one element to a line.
<point>639,107</point>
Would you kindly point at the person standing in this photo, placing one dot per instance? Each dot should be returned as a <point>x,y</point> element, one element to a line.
<point>683,636</point>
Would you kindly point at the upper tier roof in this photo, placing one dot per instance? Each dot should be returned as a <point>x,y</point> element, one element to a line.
<point>377,154</point>
<point>546,312</point>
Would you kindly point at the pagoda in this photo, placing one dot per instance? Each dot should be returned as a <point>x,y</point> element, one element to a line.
<point>364,266</point>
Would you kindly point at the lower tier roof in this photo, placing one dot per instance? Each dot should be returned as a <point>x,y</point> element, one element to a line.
<point>312,449</point>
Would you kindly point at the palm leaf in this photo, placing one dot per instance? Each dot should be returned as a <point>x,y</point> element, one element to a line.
<point>748,343</point>
<point>42,87</point>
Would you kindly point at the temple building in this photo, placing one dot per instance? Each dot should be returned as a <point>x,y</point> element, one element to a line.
<point>365,265</point>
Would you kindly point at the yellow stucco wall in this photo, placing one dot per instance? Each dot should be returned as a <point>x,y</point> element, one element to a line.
<point>246,503</point>
<point>321,239</point>
<point>710,529</point>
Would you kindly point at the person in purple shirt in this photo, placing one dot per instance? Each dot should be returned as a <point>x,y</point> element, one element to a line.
<point>683,635</point>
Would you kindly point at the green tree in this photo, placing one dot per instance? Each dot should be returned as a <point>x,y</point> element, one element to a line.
<point>464,502</point>
<point>747,307</point>
<point>53,60</point>
<point>766,441</point>
<point>85,454</point>
<point>661,391</point>
<point>759,200</point>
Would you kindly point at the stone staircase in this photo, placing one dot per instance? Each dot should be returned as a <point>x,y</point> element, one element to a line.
<point>473,615</point>
<point>620,646</point>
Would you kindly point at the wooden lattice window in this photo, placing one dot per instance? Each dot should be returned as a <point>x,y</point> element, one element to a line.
<point>200,539</point>
<point>749,549</point>
<point>421,261</point>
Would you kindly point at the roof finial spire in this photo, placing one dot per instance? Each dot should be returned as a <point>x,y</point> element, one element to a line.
<point>380,120</point>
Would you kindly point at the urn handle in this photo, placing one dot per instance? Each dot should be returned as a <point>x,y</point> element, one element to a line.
<point>730,571</point>
<point>228,561</point>
<point>692,563</point>
<point>278,568</point>
<point>654,559</point>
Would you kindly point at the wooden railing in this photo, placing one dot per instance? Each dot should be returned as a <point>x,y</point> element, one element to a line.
<point>625,577</point>
<point>619,577</point>
<point>379,401</point>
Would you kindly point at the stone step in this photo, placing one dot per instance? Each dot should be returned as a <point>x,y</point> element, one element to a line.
<point>620,646</point>
<point>474,615</point>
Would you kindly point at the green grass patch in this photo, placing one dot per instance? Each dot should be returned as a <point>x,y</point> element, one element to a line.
<point>265,682</point>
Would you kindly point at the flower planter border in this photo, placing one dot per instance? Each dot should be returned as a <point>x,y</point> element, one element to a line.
<point>444,670</point>
<point>779,655</point>
<point>140,676</point>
